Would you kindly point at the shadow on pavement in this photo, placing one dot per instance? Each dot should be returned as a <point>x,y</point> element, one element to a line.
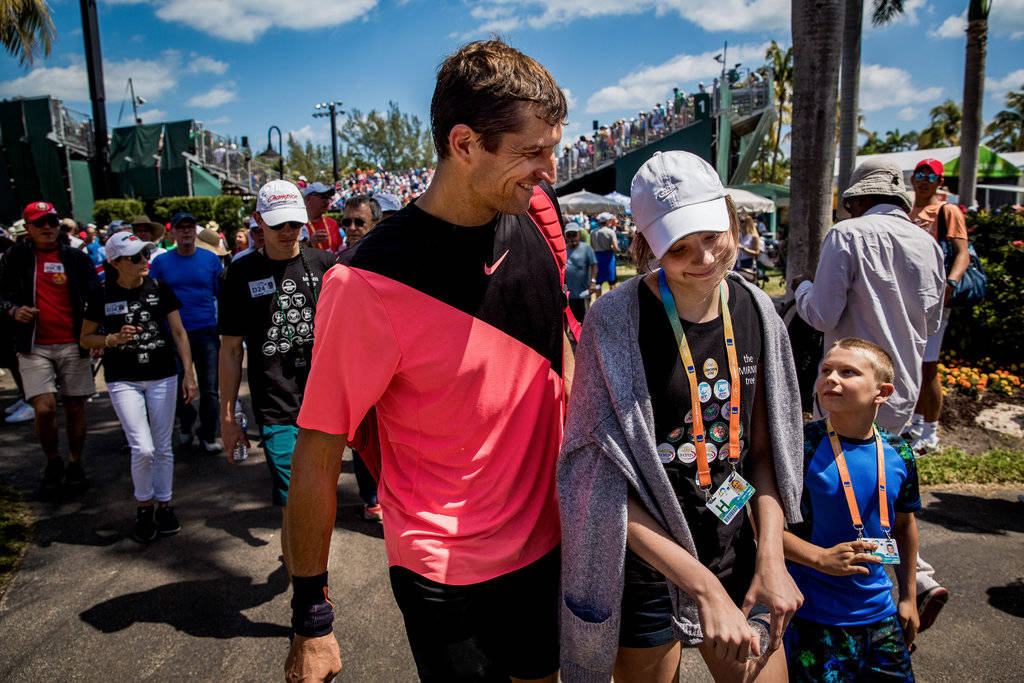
<point>974,514</point>
<point>240,523</point>
<point>209,608</point>
<point>1008,598</point>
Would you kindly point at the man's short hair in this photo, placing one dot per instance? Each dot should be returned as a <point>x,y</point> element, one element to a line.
<point>355,201</point>
<point>880,359</point>
<point>482,85</point>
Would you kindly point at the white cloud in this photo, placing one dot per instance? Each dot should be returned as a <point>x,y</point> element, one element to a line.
<point>318,134</point>
<point>215,96</point>
<point>998,87</point>
<point>724,15</point>
<point>151,115</point>
<point>246,20</point>
<point>220,120</point>
<point>152,79</point>
<point>1005,19</point>
<point>570,101</point>
<point>907,114</point>
<point>201,64</point>
<point>882,87</point>
<point>644,87</point>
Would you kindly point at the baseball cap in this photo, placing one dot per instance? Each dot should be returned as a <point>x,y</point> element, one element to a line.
<point>879,177</point>
<point>572,226</point>
<point>675,194</point>
<point>182,216</point>
<point>316,188</point>
<point>388,202</point>
<point>604,217</point>
<point>279,202</point>
<point>125,244</point>
<point>117,226</point>
<point>37,210</point>
<point>934,164</point>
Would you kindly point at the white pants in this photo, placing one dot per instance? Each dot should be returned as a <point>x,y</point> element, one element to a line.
<point>925,576</point>
<point>149,437</point>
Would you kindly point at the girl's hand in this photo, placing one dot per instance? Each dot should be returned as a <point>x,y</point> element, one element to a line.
<point>725,627</point>
<point>126,335</point>
<point>774,588</point>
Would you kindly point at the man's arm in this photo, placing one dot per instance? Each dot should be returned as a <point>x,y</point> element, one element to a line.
<point>229,370</point>
<point>822,303</point>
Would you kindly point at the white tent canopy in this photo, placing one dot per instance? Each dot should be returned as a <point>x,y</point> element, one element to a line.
<point>748,202</point>
<point>588,202</point>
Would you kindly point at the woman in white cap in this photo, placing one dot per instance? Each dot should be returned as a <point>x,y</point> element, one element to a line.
<point>681,412</point>
<point>140,316</point>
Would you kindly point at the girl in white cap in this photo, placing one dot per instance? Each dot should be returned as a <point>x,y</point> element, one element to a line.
<point>681,419</point>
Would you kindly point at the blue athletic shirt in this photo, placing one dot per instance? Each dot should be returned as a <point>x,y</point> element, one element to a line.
<point>861,598</point>
<point>193,279</point>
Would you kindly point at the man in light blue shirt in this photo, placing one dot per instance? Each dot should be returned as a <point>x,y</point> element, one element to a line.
<point>192,274</point>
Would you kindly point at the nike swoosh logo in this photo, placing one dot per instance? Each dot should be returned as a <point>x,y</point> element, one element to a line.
<point>489,270</point>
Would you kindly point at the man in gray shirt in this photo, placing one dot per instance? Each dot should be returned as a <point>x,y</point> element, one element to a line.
<point>605,244</point>
<point>878,279</point>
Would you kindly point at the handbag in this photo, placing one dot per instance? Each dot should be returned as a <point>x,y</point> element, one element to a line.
<point>972,285</point>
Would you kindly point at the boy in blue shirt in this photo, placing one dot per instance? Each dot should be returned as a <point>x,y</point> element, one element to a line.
<point>849,628</point>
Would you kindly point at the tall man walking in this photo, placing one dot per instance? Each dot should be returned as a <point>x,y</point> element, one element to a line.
<point>458,306</point>
<point>192,274</point>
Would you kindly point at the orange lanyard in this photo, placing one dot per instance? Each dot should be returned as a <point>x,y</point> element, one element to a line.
<point>844,476</point>
<point>669,302</point>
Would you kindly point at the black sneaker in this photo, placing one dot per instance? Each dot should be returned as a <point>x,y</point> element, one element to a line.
<point>52,476</point>
<point>145,528</point>
<point>166,521</point>
<point>74,476</point>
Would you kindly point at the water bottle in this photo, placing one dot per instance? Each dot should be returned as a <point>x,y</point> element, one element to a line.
<point>760,625</point>
<point>241,452</point>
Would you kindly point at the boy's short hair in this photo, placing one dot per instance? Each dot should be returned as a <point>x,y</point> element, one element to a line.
<point>881,361</point>
<point>482,86</point>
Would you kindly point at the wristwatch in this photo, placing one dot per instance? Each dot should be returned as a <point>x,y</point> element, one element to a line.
<point>952,283</point>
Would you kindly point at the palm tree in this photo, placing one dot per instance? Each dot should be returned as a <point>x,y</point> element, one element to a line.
<point>782,74</point>
<point>873,145</point>
<point>944,129</point>
<point>817,27</point>
<point>974,91</point>
<point>1006,130</point>
<point>25,27</point>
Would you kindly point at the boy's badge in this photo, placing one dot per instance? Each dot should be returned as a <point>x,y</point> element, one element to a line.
<point>666,453</point>
<point>730,497</point>
<point>886,550</point>
<point>115,308</point>
<point>687,453</point>
<point>676,435</point>
<point>704,390</point>
<point>722,389</point>
<point>258,288</point>
<point>712,452</point>
<point>720,432</point>
<point>710,412</point>
<point>710,368</point>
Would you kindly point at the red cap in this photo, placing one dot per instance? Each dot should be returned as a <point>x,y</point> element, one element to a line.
<point>37,210</point>
<point>934,164</point>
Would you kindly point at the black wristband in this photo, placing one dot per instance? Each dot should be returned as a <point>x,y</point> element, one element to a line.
<point>309,590</point>
<point>312,612</point>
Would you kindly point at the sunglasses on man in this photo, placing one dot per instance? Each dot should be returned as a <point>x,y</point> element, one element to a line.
<point>347,222</point>
<point>930,177</point>
<point>45,221</point>
<point>294,225</point>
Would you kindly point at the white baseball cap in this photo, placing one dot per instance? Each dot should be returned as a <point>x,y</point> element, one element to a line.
<point>125,244</point>
<point>675,194</point>
<point>279,202</point>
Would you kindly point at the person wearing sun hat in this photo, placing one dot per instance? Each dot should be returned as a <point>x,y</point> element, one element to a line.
<point>149,231</point>
<point>631,492</point>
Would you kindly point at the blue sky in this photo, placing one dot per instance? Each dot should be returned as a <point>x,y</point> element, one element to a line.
<point>242,65</point>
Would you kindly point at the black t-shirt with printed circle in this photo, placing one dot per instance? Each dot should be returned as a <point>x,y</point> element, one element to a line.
<point>272,305</point>
<point>151,355</point>
<point>727,550</point>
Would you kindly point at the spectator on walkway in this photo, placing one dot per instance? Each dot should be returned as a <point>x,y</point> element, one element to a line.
<point>19,411</point>
<point>192,275</point>
<point>149,231</point>
<point>43,289</point>
<point>241,240</point>
<point>69,234</point>
<point>750,244</point>
<point>605,244</point>
<point>255,240</point>
<point>140,316</point>
<point>930,213</point>
<point>321,230</point>
<point>269,300</point>
<point>580,271</point>
<point>389,204</point>
<point>93,248</point>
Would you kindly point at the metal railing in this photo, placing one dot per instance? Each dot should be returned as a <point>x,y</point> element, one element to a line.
<point>221,155</point>
<point>71,128</point>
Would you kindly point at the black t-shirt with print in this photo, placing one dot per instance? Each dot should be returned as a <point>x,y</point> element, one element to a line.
<point>272,305</point>
<point>151,355</point>
<point>726,549</point>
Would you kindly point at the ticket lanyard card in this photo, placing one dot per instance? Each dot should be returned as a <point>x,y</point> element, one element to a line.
<point>886,550</point>
<point>730,497</point>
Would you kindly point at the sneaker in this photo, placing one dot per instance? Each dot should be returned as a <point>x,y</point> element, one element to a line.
<point>166,521</point>
<point>183,439</point>
<point>923,444</point>
<point>211,446</point>
<point>929,604</point>
<point>145,528</point>
<point>14,407</point>
<point>25,413</point>
<point>52,476</point>
<point>912,432</point>
<point>372,513</point>
<point>74,476</point>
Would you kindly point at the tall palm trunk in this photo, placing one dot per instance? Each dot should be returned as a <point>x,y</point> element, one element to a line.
<point>778,138</point>
<point>974,89</point>
<point>849,87</point>
<point>817,27</point>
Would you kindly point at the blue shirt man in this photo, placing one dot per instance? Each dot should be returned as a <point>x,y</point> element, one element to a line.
<point>580,271</point>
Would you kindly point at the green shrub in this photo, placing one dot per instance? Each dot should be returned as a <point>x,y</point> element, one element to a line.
<point>226,210</point>
<point>106,210</point>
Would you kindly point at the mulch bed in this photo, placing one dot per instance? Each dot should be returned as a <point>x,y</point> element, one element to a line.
<point>959,430</point>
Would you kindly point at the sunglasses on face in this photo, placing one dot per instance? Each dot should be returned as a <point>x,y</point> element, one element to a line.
<point>136,258</point>
<point>930,177</point>
<point>294,225</point>
<point>50,221</point>
<point>185,226</point>
<point>347,222</point>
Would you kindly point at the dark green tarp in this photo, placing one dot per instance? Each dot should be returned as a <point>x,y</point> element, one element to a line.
<point>82,198</point>
<point>50,161</point>
<point>21,168</point>
<point>204,184</point>
<point>133,157</point>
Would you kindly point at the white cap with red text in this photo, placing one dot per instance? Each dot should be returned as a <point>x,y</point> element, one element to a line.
<point>279,201</point>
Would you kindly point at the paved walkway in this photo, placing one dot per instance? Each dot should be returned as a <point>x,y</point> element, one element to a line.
<point>212,602</point>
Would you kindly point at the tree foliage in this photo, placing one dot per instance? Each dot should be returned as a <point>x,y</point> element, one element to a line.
<point>1006,130</point>
<point>309,160</point>
<point>389,139</point>
<point>26,28</point>
<point>944,129</point>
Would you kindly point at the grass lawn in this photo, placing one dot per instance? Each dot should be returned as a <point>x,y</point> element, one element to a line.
<point>953,466</point>
<point>15,532</point>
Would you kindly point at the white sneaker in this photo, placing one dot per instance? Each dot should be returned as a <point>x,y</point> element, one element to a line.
<point>211,446</point>
<point>923,444</point>
<point>24,414</point>
<point>15,407</point>
<point>912,432</point>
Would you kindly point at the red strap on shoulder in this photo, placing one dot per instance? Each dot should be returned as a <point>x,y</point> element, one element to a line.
<point>545,216</point>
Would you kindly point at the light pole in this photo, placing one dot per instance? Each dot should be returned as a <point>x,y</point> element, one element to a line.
<point>332,110</point>
<point>270,153</point>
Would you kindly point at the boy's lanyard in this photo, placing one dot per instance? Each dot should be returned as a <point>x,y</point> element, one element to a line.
<point>703,471</point>
<point>844,476</point>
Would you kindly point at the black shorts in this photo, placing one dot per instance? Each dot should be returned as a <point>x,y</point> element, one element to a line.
<point>507,626</point>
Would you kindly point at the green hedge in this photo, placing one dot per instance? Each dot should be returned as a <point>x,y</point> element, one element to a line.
<point>106,210</point>
<point>226,210</point>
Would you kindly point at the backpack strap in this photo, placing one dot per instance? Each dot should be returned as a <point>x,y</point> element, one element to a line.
<point>548,219</point>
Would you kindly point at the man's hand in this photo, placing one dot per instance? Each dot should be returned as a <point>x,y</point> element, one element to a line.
<point>319,237</point>
<point>909,619</point>
<point>189,390</point>
<point>230,434</point>
<point>312,659</point>
<point>25,314</point>
<point>774,588</point>
<point>800,279</point>
<point>846,559</point>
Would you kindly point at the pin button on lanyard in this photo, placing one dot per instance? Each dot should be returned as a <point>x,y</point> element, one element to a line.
<point>844,476</point>
<point>669,302</point>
